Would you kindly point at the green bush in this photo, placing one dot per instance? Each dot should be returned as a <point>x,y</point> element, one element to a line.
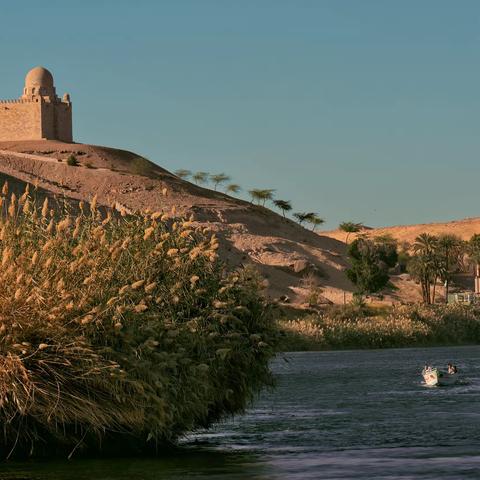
<point>120,331</point>
<point>72,161</point>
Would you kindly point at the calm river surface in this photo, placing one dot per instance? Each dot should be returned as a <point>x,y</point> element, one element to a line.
<point>345,414</point>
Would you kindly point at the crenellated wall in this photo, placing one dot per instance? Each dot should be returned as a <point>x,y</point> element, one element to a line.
<point>20,120</point>
<point>35,120</point>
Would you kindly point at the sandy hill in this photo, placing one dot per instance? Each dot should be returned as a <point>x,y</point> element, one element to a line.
<point>282,250</point>
<point>407,233</point>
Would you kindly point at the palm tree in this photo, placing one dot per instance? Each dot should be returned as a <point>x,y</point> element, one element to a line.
<point>474,254</point>
<point>267,194</point>
<point>425,244</point>
<point>183,173</point>
<point>450,249</point>
<point>426,265</point>
<point>261,195</point>
<point>233,188</point>
<point>219,178</point>
<point>350,227</point>
<point>316,221</point>
<point>283,205</point>
<point>303,216</point>
<point>200,178</point>
<point>255,195</point>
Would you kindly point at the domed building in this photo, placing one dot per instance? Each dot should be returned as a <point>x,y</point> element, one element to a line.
<point>39,81</point>
<point>38,114</point>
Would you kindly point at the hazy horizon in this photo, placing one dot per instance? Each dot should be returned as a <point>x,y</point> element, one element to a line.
<point>360,111</point>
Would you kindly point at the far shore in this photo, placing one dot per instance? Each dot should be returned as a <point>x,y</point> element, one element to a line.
<point>361,328</point>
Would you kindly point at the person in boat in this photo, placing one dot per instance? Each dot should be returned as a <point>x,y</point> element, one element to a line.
<point>452,369</point>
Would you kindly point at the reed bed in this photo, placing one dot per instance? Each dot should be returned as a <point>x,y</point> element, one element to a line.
<point>402,326</point>
<point>120,332</point>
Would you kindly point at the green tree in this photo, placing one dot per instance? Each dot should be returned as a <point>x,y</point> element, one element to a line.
<point>450,249</point>
<point>283,205</point>
<point>315,221</point>
<point>302,217</point>
<point>473,249</point>
<point>200,178</point>
<point>261,195</point>
<point>255,195</point>
<point>183,173</point>
<point>424,265</point>
<point>370,262</point>
<point>219,178</point>
<point>349,228</point>
<point>233,188</point>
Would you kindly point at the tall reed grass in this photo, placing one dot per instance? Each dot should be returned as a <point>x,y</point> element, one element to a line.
<point>402,326</point>
<point>119,331</point>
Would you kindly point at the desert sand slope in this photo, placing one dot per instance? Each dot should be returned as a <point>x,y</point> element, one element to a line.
<point>407,233</point>
<point>282,250</point>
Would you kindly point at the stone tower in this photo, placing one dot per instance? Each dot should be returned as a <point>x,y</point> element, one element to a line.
<point>38,114</point>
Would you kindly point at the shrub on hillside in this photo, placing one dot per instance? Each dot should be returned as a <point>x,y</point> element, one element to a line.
<point>120,331</point>
<point>72,161</point>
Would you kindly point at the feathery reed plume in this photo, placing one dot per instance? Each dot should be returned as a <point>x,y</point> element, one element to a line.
<point>88,350</point>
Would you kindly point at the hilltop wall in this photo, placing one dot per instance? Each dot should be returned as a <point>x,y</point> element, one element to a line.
<point>35,120</point>
<point>57,121</point>
<point>20,120</point>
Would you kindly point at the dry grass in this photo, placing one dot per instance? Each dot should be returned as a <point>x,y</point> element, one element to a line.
<point>404,326</point>
<point>120,331</point>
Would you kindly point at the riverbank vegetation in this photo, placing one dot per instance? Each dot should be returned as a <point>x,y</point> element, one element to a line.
<point>433,262</point>
<point>359,326</point>
<point>120,332</point>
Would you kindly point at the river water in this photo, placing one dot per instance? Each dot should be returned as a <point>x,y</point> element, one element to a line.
<point>333,415</point>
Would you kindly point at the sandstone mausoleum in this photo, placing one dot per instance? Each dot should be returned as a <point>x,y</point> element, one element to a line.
<point>38,114</point>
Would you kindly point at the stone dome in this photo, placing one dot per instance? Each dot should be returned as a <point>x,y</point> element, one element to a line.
<point>39,77</point>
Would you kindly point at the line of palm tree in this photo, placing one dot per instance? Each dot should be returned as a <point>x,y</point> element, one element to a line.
<point>259,196</point>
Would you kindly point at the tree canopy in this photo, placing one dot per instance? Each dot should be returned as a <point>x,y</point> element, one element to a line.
<point>283,205</point>
<point>370,262</point>
<point>218,178</point>
<point>200,178</point>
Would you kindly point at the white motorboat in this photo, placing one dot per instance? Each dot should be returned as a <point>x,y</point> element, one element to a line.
<point>436,377</point>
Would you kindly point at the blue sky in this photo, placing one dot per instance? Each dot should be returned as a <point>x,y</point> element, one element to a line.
<point>358,110</point>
